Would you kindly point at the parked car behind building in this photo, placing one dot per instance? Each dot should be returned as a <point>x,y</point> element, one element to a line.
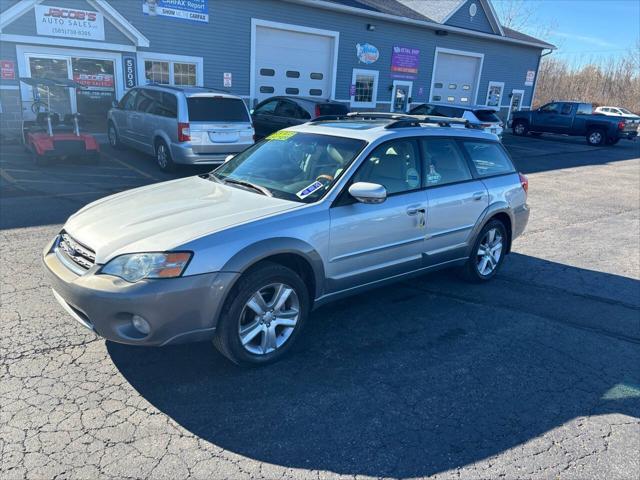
<point>181,125</point>
<point>276,113</point>
<point>484,118</point>
<point>616,112</point>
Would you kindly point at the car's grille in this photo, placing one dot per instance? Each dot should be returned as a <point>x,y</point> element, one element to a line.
<point>76,256</point>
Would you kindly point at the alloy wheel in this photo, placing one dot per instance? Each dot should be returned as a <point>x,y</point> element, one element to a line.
<point>595,138</point>
<point>519,128</point>
<point>162,156</point>
<point>489,252</point>
<point>112,136</point>
<point>269,318</point>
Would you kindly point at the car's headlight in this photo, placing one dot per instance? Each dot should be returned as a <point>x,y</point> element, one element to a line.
<point>136,266</point>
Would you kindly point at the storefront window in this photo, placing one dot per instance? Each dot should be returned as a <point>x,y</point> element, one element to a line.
<point>184,74</point>
<point>364,89</point>
<point>156,72</point>
<point>95,99</point>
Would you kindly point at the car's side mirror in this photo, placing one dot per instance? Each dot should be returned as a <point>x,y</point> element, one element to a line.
<point>366,192</point>
<point>115,104</point>
<point>228,157</point>
<point>251,112</point>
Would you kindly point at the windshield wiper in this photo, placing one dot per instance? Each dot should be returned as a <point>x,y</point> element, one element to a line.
<point>243,183</point>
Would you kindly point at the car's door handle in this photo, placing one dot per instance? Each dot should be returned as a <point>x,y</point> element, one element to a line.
<point>415,210</point>
<point>478,195</point>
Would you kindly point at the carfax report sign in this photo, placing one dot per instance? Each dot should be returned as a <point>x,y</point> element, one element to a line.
<point>69,22</point>
<point>190,10</point>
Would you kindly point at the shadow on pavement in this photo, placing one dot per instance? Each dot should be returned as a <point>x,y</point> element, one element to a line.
<point>412,379</point>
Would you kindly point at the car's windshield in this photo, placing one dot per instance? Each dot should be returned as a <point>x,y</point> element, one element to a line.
<point>292,165</point>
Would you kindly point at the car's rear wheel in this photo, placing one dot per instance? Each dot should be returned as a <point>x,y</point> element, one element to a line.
<point>112,135</point>
<point>520,128</point>
<point>163,157</point>
<point>487,253</point>
<point>263,315</point>
<point>596,137</point>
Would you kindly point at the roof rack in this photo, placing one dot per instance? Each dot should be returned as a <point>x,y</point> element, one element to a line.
<point>397,120</point>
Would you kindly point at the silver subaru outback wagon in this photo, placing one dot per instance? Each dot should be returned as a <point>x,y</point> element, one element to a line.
<point>310,214</point>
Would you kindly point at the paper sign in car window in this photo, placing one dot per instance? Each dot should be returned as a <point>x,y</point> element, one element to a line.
<point>281,135</point>
<point>306,191</point>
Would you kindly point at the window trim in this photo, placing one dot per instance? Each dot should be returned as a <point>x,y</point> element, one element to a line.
<point>495,84</point>
<point>374,97</point>
<point>171,59</point>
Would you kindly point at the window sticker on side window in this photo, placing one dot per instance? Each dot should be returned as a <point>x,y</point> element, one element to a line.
<point>306,191</point>
<point>413,178</point>
<point>281,135</point>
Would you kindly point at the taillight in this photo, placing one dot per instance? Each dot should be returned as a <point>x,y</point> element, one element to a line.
<point>317,110</point>
<point>620,125</point>
<point>524,181</point>
<point>184,134</point>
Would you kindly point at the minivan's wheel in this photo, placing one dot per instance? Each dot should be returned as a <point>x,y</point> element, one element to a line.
<point>263,315</point>
<point>596,137</point>
<point>487,253</point>
<point>163,157</point>
<point>520,128</point>
<point>112,135</point>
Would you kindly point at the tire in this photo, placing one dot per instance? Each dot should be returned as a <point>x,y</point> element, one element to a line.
<point>163,157</point>
<point>114,138</point>
<point>258,347</point>
<point>479,270</point>
<point>596,137</point>
<point>520,128</point>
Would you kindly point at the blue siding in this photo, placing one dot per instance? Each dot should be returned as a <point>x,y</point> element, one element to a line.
<point>225,44</point>
<point>462,19</point>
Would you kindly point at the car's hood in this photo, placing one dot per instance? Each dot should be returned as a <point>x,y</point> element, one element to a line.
<point>166,215</point>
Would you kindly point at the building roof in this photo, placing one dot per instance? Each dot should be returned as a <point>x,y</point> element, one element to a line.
<point>433,11</point>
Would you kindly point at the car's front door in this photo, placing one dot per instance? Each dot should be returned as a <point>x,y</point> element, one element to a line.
<point>455,200</point>
<point>547,117</point>
<point>369,242</point>
<point>120,115</point>
<point>263,117</point>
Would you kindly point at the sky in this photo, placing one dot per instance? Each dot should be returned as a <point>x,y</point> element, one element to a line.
<point>588,28</point>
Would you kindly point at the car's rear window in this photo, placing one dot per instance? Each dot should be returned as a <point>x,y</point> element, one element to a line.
<point>486,116</point>
<point>217,109</point>
<point>488,158</point>
<point>332,109</point>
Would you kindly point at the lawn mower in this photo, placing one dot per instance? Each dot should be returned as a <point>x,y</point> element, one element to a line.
<point>47,137</point>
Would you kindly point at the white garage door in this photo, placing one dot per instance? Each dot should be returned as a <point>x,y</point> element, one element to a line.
<point>292,63</point>
<point>455,79</point>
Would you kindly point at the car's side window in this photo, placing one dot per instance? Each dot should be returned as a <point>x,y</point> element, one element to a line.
<point>550,108</point>
<point>394,165</point>
<point>488,158</point>
<point>303,114</point>
<point>444,162</point>
<point>144,100</point>
<point>128,101</point>
<point>566,109</point>
<point>286,109</point>
<point>266,108</point>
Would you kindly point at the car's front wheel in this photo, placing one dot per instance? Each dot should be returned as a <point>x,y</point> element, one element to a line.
<point>520,128</point>
<point>487,253</point>
<point>112,135</point>
<point>263,315</point>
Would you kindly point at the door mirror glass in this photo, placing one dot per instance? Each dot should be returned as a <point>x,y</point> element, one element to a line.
<point>366,192</point>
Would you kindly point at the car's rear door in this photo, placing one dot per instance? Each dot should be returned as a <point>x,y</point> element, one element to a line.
<point>218,124</point>
<point>456,200</point>
<point>369,242</point>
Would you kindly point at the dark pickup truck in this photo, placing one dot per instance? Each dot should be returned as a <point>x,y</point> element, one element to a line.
<point>576,119</point>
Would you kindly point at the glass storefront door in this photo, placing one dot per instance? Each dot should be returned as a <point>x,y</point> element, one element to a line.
<point>94,101</point>
<point>401,96</point>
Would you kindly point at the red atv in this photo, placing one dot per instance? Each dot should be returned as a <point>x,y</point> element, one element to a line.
<point>48,137</point>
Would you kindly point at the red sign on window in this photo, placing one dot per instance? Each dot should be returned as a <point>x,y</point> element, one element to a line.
<point>8,69</point>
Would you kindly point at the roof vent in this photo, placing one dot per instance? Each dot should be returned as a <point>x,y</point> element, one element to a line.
<point>473,9</point>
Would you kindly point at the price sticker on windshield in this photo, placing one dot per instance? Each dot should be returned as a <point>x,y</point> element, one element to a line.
<point>306,191</point>
<point>281,135</point>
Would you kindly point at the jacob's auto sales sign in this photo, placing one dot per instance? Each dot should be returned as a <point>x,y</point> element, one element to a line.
<point>69,22</point>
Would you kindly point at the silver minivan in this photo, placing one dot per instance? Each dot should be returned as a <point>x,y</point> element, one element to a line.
<point>181,125</point>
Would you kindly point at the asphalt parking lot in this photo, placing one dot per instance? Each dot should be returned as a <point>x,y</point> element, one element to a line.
<point>536,375</point>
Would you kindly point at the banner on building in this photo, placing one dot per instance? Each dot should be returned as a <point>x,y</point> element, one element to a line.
<point>69,22</point>
<point>404,62</point>
<point>8,69</point>
<point>190,10</point>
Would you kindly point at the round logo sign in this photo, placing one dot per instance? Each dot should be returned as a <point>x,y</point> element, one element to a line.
<point>367,53</point>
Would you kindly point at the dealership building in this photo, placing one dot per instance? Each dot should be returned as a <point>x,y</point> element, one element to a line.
<point>381,55</point>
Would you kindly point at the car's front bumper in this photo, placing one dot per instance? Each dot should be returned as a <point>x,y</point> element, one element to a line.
<point>178,310</point>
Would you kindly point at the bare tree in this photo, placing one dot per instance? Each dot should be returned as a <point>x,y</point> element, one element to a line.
<point>522,15</point>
